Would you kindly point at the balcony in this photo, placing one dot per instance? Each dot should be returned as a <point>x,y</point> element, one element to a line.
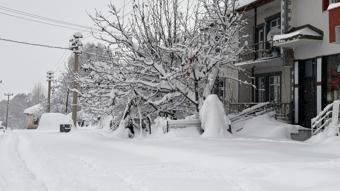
<point>259,51</point>
<point>299,36</point>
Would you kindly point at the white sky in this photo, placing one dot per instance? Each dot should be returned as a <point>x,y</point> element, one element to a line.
<point>22,66</point>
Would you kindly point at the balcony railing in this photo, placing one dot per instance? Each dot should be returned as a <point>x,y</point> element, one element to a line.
<point>260,50</point>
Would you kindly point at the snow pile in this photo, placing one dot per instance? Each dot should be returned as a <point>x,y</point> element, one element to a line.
<point>121,131</point>
<point>159,129</point>
<point>263,126</point>
<point>213,118</point>
<point>52,121</point>
<point>329,132</point>
<point>159,126</point>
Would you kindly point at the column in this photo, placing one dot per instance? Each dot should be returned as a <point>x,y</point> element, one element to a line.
<point>296,92</point>
<point>319,85</point>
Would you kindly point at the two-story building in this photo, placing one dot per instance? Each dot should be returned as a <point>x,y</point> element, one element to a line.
<point>313,35</point>
<point>294,55</point>
<point>265,66</point>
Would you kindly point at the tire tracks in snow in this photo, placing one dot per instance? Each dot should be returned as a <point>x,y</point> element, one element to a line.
<point>182,162</point>
<point>14,171</point>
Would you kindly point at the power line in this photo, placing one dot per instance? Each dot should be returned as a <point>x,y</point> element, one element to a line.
<point>16,11</point>
<point>37,21</point>
<point>33,44</point>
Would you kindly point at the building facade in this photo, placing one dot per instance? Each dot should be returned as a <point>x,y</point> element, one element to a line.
<point>294,57</point>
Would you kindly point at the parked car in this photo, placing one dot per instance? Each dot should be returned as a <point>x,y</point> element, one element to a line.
<point>2,128</point>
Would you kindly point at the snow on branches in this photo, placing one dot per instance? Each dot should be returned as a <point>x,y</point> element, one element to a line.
<point>165,56</point>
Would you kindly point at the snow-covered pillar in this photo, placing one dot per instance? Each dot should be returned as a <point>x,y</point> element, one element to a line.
<point>296,92</point>
<point>318,85</point>
<point>335,115</point>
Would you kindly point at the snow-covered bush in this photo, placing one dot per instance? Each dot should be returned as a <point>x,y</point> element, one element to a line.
<point>213,118</point>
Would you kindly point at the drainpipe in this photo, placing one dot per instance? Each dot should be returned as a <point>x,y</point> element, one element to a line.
<point>255,33</point>
<point>255,57</point>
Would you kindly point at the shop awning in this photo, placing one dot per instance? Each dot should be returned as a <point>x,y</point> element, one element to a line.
<point>298,36</point>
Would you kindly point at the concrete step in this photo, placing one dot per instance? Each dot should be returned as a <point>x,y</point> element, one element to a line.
<point>301,135</point>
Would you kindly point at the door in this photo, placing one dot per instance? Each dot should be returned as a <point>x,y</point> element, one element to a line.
<point>261,48</point>
<point>268,87</point>
<point>275,89</point>
<point>261,89</point>
<point>307,92</point>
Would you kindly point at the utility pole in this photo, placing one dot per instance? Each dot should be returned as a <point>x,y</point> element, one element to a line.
<point>67,95</point>
<point>76,46</point>
<point>49,81</point>
<point>8,95</point>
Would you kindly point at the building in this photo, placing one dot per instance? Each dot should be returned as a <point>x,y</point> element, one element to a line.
<point>294,56</point>
<point>268,67</point>
<point>33,114</point>
<point>312,35</point>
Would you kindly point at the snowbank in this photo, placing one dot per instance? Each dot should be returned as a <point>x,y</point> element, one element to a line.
<point>52,121</point>
<point>328,133</point>
<point>263,126</point>
<point>159,129</point>
<point>213,118</point>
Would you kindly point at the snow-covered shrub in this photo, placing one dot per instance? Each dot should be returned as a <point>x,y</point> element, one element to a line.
<point>213,118</point>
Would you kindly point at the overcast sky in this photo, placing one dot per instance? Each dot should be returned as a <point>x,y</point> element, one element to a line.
<point>22,66</point>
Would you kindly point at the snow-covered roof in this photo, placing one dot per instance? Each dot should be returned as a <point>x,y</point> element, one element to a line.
<point>333,6</point>
<point>243,3</point>
<point>33,109</point>
<point>304,32</point>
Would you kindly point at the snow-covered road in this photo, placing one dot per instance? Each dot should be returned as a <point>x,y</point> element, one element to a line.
<point>92,160</point>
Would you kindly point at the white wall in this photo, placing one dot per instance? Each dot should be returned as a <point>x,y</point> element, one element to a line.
<point>268,10</point>
<point>310,12</point>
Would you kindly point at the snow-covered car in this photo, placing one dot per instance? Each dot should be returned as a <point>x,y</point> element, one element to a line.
<point>55,122</point>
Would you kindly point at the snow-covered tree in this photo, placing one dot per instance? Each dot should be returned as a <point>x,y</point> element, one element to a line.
<point>37,94</point>
<point>170,52</point>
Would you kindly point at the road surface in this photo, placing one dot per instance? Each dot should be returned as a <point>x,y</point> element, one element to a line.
<point>93,160</point>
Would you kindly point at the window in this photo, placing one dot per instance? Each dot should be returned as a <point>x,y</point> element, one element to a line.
<point>260,41</point>
<point>333,78</point>
<point>275,23</point>
<point>268,87</point>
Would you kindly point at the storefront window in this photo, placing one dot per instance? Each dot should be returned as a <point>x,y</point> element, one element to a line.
<point>333,78</point>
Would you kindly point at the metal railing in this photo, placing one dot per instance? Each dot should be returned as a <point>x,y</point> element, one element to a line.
<point>329,116</point>
<point>256,108</point>
<point>282,111</point>
<point>260,50</point>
